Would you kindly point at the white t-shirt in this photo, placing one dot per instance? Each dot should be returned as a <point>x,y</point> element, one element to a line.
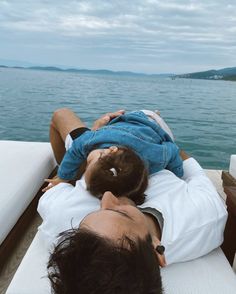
<point>194,214</point>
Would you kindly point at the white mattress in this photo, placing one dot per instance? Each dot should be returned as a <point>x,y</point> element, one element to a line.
<point>23,168</point>
<point>210,274</point>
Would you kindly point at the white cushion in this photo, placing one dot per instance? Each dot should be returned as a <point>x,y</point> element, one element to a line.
<point>23,168</point>
<point>31,275</point>
<point>210,274</point>
<point>232,166</point>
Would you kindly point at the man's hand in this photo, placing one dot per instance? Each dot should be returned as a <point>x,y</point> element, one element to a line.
<point>53,182</point>
<point>102,121</point>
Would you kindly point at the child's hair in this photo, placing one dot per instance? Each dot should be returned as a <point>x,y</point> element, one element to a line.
<point>123,173</point>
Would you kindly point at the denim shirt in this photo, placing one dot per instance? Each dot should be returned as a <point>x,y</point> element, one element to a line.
<point>133,130</point>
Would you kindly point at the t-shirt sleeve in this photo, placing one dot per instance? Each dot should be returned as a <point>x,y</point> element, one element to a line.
<point>46,209</point>
<point>193,212</point>
<point>197,182</point>
<point>192,169</point>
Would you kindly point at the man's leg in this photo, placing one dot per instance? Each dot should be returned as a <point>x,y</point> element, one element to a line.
<point>63,122</point>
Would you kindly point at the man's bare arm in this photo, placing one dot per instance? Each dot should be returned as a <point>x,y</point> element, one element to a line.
<point>183,155</point>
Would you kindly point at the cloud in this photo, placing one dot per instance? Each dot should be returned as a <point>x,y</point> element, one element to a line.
<point>152,31</point>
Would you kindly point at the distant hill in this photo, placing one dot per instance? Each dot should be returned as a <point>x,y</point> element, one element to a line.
<point>50,68</point>
<point>221,74</point>
<point>230,78</point>
<point>88,71</point>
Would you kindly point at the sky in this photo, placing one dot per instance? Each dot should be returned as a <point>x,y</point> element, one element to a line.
<point>148,36</point>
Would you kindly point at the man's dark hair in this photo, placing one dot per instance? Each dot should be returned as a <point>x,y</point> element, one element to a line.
<point>123,173</point>
<point>86,263</point>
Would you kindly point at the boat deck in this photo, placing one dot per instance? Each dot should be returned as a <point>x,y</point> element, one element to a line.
<point>215,177</point>
<point>7,273</point>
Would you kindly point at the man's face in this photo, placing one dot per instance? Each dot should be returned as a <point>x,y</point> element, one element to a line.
<point>116,217</point>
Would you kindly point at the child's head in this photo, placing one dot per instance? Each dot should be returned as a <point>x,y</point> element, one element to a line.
<point>119,170</point>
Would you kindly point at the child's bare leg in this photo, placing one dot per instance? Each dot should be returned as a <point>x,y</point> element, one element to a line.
<point>63,122</point>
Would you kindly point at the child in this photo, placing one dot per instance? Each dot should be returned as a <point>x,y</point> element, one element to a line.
<point>118,169</point>
<point>138,134</point>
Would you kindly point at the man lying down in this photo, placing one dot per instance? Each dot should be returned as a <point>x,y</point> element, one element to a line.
<point>112,246</point>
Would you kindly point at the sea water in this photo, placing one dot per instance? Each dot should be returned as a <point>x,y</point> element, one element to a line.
<point>201,113</point>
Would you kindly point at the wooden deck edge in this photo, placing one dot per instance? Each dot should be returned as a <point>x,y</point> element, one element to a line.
<point>229,244</point>
<point>228,180</point>
<point>9,244</point>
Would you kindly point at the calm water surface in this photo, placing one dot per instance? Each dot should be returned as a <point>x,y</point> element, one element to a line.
<point>202,114</point>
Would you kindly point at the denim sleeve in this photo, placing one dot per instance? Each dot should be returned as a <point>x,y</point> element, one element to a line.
<point>173,159</point>
<point>74,157</point>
